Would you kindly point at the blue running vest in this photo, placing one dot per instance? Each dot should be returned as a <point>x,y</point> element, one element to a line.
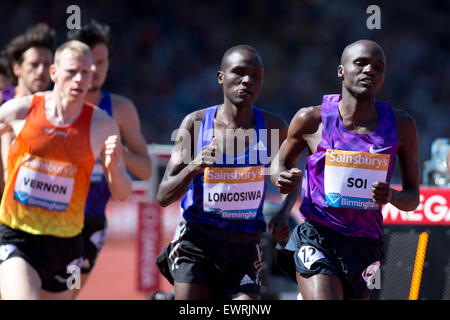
<point>99,193</point>
<point>230,194</point>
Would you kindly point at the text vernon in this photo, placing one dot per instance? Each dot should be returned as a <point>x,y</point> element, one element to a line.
<point>39,185</point>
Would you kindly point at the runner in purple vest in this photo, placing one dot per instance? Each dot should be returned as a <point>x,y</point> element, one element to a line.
<point>352,141</point>
<point>99,38</point>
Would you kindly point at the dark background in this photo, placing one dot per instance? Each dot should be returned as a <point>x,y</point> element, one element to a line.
<point>166,53</point>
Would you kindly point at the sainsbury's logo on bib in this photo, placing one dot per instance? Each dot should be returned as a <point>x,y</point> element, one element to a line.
<point>52,167</point>
<point>355,159</point>
<point>44,183</point>
<point>233,192</point>
<point>234,175</point>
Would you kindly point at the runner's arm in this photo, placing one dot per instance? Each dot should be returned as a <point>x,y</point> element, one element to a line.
<point>283,173</point>
<point>106,144</point>
<point>13,110</point>
<point>119,182</point>
<point>278,226</point>
<point>408,198</point>
<point>181,169</point>
<point>135,154</point>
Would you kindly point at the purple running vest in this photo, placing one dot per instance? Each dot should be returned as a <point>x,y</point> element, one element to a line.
<point>350,163</point>
<point>7,94</point>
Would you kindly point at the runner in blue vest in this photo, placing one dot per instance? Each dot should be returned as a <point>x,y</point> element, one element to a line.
<point>97,36</point>
<point>216,252</point>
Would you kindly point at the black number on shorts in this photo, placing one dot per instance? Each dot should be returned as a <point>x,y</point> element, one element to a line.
<point>312,251</point>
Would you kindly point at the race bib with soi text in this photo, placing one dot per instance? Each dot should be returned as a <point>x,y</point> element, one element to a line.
<point>349,176</point>
<point>233,193</point>
<point>44,183</point>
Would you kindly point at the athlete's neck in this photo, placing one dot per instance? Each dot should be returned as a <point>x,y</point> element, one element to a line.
<point>235,117</point>
<point>61,110</point>
<point>94,96</point>
<point>22,90</point>
<point>357,111</point>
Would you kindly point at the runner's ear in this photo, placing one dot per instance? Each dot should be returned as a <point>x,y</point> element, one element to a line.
<point>340,71</point>
<point>52,71</point>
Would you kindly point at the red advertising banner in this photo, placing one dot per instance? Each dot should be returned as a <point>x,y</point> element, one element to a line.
<point>432,210</point>
<point>148,246</point>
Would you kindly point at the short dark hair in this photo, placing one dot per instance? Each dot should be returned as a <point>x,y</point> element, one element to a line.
<point>38,35</point>
<point>244,47</point>
<point>93,33</point>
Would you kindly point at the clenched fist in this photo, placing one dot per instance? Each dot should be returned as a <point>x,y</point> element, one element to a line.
<point>381,192</point>
<point>113,149</point>
<point>289,180</point>
<point>207,157</point>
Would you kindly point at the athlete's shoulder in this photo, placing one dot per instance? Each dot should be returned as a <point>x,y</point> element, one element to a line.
<point>406,126</point>
<point>42,93</point>
<point>16,109</point>
<point>308,118</point>
<point>100,117</point>
<point>311,113</point>
<point>191,118</point>
<point>122,106</point>
<point>273,121</point>
<point>21,102</point>
<point>120,101</point>
<point>402,115</point>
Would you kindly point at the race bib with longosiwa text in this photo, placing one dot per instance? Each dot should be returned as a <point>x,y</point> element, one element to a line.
<point>233,193</point>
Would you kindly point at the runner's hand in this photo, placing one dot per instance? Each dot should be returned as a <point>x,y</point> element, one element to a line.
<point>381,192</point>
<point>289,180</point>
<point>206,157</point>
<point>113,149</point>
<point>278,227</point>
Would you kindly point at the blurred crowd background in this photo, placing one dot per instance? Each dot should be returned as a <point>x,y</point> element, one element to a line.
<point>167,52</point>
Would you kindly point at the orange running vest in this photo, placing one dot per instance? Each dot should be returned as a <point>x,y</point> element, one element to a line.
<point>49,170</point>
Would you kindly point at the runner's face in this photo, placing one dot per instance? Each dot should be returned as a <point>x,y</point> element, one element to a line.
<point>33,72</point>
<point>363,69</point>
<point>73,75</point>
<point>241,78</point>
<point>100,63</point>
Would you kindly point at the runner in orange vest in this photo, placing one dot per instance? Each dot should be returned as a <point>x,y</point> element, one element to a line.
<point>42,211</point>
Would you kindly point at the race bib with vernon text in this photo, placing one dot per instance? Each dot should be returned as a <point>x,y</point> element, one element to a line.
<point>44,183</point>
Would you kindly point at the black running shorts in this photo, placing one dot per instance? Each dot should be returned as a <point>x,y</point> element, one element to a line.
<point>56,260</point>
<point>228,263</point>
<point>319,250</point>
<point>94,235</point>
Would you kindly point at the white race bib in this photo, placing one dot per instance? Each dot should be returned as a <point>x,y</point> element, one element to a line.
<point>45,183</point>
<point>233,193</point>
<point>349,176</point>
